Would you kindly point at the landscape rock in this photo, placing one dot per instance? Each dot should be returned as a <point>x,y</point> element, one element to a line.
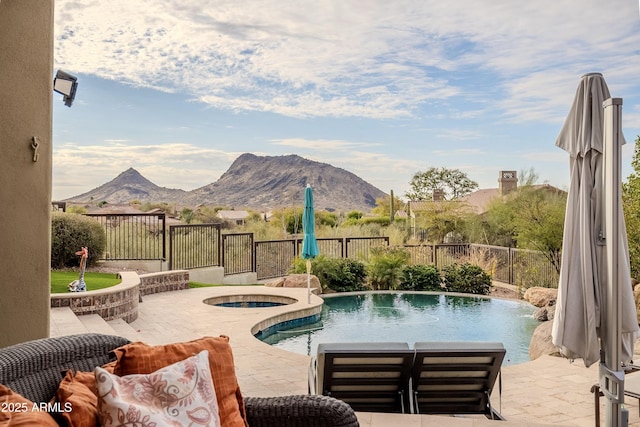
<point>300,281</point>
<point>541,342</point>
<point>541,297</point>
<point>275,283</point>
<point>541,314</point>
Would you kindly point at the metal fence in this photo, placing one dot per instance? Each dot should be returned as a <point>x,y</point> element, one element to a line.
<point>133,236</point>
<point>273,258</point>
<point>142,237</point>
<point>237,253</point>
<point>360,247</point>
<point>194,246</point>
<point>520,267</point>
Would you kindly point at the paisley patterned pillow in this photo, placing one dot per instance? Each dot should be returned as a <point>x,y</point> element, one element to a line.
<point>179,394</point>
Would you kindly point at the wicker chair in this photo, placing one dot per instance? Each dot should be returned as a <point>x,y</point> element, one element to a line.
<point>35,368</point>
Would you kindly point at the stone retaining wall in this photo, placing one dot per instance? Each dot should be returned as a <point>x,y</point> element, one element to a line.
<point>121,301</point>
<point>115,302</point>
<point>164,281</point>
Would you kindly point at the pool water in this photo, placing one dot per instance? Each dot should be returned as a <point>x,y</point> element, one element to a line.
<point>414,317</point>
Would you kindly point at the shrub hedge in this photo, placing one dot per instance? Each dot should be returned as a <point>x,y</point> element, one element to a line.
<point>338,274</point>
<point>69,233</point>
<point>466,278</point>
<point>420,278</point>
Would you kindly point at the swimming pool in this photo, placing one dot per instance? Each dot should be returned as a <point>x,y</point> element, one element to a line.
<point>414,317</point>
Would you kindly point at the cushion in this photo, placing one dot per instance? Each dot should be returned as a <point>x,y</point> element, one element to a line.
<point>78,390</point>
<point>140,358</point>
<point>180,394</point>
<point>16,410</point>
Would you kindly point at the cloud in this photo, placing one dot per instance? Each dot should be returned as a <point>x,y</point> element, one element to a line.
<point>323,144</point>
<point>377,59</point>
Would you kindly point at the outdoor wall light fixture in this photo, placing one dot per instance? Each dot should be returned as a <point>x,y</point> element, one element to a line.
<point>66,84</point>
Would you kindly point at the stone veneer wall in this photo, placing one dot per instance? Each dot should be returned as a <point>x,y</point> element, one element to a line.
<point>121,301</point>
<point>164,281</point>
<point>116,302</point>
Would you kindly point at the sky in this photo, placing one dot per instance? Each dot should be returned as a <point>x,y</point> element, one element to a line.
<point>178,89</point>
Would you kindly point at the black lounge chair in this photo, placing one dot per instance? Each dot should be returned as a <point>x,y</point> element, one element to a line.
<point>456,377</point>
<point>370,377</point>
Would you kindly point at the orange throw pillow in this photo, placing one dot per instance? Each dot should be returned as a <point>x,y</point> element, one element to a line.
<point>78,391</point>
<point>16,410</point>
<point>140,358</point>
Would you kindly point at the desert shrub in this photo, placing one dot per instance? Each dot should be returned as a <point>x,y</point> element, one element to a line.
<point>70,232</point>
<point>385,267</point>
<point>338,274</point>
<point>379,220</point>
<point>420,278</point>
<point>466,278</point>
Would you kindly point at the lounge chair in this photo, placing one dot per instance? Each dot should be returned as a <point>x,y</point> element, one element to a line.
<point>370,377</point>
<point>456,377</point>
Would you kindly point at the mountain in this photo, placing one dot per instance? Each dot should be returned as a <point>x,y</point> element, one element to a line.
<point>128,186</point>
<point>272,181</point>
<point>256,182</point>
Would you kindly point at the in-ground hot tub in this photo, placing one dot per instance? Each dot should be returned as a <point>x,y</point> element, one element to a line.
<point>250,301</point>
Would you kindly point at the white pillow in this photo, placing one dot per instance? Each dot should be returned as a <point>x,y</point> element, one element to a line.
<point>181,394</point>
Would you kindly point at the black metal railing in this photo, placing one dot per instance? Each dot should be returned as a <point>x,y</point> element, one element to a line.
<point>360,247</point>
<point>273,258</point>
<point>194,246</point>
<point>237,253</point>
<point>333,247</point>
<point>142,237</point>
<point>133,236</point>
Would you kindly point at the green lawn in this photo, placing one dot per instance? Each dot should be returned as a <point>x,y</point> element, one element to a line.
<point>60,280</point>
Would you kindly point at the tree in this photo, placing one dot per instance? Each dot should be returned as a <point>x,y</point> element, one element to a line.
<point>631,208</point>
<point>383,205</point>
<point>440,219</point>
<point>532,217</point>
<point>453,182</point>
<point>539,223</point>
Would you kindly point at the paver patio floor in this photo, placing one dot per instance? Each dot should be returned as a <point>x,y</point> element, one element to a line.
<point>547,391</point>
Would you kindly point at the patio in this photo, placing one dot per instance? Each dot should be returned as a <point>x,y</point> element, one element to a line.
<point>547,391</point>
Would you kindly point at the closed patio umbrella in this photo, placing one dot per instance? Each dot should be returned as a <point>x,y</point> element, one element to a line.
<point>585,306</point>
<point>309,243</point>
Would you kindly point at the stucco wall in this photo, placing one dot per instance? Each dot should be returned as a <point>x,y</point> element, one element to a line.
<point>26,58</point>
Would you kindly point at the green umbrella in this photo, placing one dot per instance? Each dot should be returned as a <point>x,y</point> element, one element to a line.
<point>309,244</point>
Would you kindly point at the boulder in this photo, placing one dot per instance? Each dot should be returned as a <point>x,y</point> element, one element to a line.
<point>541,297</point>
<point>296,281</point>
<point>541,314</point>
<point>275,283</point>
<point>541,342</point>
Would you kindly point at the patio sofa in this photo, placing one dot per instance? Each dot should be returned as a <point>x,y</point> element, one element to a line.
<point>57,375</point>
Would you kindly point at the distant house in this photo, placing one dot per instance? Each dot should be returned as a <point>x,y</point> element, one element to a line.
<point>478,201</point>
<point>236,217</point>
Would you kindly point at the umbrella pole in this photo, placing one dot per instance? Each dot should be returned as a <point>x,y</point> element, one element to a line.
<point>611,373</point>
<point>308,281</point>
